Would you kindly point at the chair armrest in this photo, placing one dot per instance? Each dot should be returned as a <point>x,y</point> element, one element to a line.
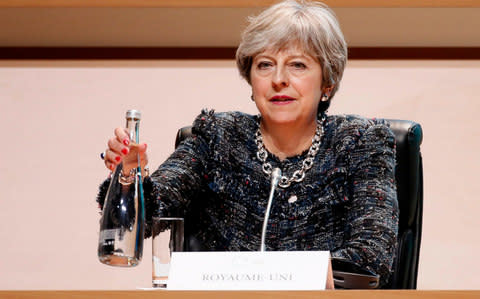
<point>348,275</point>
<point>346,280</point>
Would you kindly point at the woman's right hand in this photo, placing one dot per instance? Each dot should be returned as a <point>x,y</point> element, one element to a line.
<point>122,149</point>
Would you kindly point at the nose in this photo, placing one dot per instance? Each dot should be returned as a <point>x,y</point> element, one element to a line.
<point>280,78</point>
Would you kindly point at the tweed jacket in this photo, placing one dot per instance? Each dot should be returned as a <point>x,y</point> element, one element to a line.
<point>346,204</point>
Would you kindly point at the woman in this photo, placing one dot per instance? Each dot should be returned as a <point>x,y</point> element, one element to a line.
<point>337,191</point>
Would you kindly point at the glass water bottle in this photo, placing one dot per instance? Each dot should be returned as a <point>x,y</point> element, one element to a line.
<point>122,224</point>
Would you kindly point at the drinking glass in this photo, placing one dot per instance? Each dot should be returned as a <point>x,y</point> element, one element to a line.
<point>168,237</point>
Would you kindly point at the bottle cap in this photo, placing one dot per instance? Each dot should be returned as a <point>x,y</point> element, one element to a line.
<point>135,114</point>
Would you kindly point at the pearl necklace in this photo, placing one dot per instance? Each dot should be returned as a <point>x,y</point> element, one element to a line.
<point>298,175</point>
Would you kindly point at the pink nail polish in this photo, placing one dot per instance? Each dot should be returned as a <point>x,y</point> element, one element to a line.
<point>126,141</point>
<point>125,150</point>
<point>117,158</point>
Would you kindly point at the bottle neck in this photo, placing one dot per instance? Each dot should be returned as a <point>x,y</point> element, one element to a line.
<point>133,126</point>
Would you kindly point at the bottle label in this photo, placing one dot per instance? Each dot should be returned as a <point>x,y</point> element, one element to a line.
<point>107,237</point>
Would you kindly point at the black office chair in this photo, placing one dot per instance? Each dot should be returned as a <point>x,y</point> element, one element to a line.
<point>409,180</point>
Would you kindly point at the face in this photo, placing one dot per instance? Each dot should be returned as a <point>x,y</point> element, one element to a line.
<point>287,86</point>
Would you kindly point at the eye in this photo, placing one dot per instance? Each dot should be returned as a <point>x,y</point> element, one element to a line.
<point>298,65</point>
<point>263,65</point>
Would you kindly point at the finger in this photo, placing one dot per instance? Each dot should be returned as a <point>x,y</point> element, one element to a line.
<point>138,148</point>
<point>109,165</point>
<point>143,160</point>
<point>112,157</point>
<point>142,148</point>
<point>117,147</point>
<point>122,136</point>
<point>137,151</point>
<point>143,155</point>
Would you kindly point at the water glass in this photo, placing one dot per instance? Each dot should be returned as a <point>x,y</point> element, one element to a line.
<point>168,237</point>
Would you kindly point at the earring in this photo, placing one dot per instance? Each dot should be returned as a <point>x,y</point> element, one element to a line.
<point>324,97</point>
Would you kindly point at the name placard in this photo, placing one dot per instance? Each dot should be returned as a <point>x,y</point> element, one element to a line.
<point>268,270</point>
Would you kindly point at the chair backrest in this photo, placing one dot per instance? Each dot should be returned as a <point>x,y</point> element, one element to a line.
<point>409,180</point>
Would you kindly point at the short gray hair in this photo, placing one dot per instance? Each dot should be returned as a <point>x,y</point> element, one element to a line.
<point>311,25</point>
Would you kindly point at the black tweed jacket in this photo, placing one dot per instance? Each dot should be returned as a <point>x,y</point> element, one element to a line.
<point>346,204</point>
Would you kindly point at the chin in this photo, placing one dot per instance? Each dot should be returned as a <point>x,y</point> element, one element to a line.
<point>282,119</point>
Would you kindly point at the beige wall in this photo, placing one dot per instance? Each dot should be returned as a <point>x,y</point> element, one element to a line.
<point>58,115</point>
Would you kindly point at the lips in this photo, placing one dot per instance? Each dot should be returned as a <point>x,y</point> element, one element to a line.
<point>281,99</point>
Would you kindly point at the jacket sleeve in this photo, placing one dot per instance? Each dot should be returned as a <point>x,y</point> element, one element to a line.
<point>168,190</point>
<point>372,218</point>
